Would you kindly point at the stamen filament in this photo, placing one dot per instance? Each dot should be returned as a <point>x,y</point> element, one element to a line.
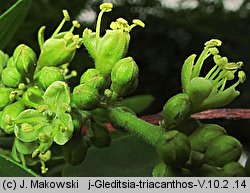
<point>215,73</point>
<point>98,27</point>
<point>66,18</point>
<point>223,85</point>
<point>210,72</point>
<point>58,28</point>
<point>219,77</point>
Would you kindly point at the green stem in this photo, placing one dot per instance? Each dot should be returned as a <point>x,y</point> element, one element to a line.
<point>58,28</point>
<point>98,27</point>
<point>210,72</point>
<point>148,132</point>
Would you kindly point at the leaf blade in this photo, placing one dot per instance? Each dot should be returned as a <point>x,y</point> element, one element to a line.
<point>127,156</point>
<point>10,168</point>
<point>11,20</point>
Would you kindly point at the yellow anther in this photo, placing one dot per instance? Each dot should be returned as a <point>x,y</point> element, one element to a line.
<point>106,7</point>
<point>76,23</point>
<point>122,21</point>
<point>242,76</point>
<point>45,157</point>
<point>26,127</point>
<point>114,25</point>
<point>229,75</point>
<point>240,64</point>
<point>73,73</point>
<point>7,119</point>
<point>66,15</point>
<point>214,51</point>
<point>43,138</point>
<point>213,43</point>
<point>138,22</point>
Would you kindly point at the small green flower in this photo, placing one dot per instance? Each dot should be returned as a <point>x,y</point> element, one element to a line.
<point>174,148</point>
<point>60,48</point>
<point>86,97</point>
<point>25,60</point>
<point>93,78</point>
<point>223,150</point>
<point>177,110</point>
<point>204,135</point>
<point>210,91</point>
<point>124,73</point>
<point>113,46</point>
<point>9,113</point>
<point>11,77</point>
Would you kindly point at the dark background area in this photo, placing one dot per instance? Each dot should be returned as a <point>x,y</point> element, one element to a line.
<point>170,35</point>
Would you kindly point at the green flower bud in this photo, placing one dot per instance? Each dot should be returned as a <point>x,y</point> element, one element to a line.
<point>204,135</point>
<point>86,97</point>
<point>124,73</point>
<point>223,150</point>
<point>162,170</point>
<point>233,169</point>
<point>99,135</point>
<point>93,78</point>
<point>47,76</point>
<point>33,94</point>
<point>177,109</point>
<point>4,97</point>
<point>112,47</point>
<point>75,150</point>
<point>174,148</point>
<point>58,50</point>
<point>198,90</point>
<point>9,113</point>
<point>25,60</point>
<point>11,77</point>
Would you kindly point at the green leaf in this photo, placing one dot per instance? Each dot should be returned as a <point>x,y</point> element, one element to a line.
<point>11,20</point>
<point>138,103</point>
<point>127,156</point>
<point>10,168</point>
<point>57,97</point>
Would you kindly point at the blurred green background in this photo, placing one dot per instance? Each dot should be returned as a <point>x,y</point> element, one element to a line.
<point>174,30</point>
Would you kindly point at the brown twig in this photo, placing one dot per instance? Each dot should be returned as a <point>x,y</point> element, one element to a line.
<point>209,114</point>
<point>223,114</point>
